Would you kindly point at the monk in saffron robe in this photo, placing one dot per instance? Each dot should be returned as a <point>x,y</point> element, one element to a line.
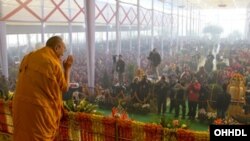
<point>37,104</point>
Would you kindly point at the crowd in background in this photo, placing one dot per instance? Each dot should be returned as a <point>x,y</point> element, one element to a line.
<point>183,69</point>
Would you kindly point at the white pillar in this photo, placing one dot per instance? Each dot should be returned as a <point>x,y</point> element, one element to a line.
<point>187,30</point>
<point>182,18</point>
<point>182,22</point>
<point>152,26</point>
<point>18,46</point>
<point>3,48</point>
<point>70,27</point>
<point>107,34</point>
<point>107,38</point>
<point>42,23</point>
<point>247,31</point>
<point>162,22</point>
<point>130,38</point>
<point>199,22</point>
<point>172,23</point>
<point>194,17</point>
<point>118,33</point>
<point>37,38</point>
<point>177,32</point>
<point>139,35</point>
<point>190,23</point>
<point>70,46</point>
<point>29,41</point>
<point>78,42</point>
<point>90,40</point>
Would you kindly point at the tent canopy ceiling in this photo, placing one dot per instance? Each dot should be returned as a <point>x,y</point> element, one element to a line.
<point>213,4</point>
<point>74,11</point>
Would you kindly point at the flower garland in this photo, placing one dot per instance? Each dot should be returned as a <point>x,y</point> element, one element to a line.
<point>153,132</point>
<point>10,105</point>
<point>138,131</point>
<point>201,136</point>
<point>74,128</point>
<point>94,127</point>
<point>97,126</point>
<point>109,128</point>
<point>3,117</point>
<point>86,126</point>
<point>124,129</point>
<point>185,135</point>
<point>169,134</point>
<point>63,134</point>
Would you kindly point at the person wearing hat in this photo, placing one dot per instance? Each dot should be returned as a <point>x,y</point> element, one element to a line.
<point>120,68</point>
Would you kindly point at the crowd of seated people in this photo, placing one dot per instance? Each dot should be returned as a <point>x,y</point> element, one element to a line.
<point>181,69</point>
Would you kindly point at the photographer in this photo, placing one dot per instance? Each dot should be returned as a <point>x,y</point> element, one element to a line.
<point>154,60</point>
<point>120,68</point>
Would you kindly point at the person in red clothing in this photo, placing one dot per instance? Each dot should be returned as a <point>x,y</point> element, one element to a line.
<point>193,98</point>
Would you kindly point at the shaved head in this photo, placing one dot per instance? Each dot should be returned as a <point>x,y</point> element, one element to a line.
<point>53,41</point>
<point>56,43</point>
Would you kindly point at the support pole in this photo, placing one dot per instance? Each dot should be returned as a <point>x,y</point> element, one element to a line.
<point>182,23</point>
<point>3,48</point>
<point>139,35</point>
<point>18,46</point>
<point>199,22</point>
<point>90,40</point>
<point>177,32</point>
<point>171,29</point>
<point>42,23</point>
<point>107,34</point>
<point>107,38</point>
<point>130,38</point>
<point>118,33</point>
<point>187,27</point>
<point>70,27</point>
<point>28,40</point>
<point>162,28</point>
<point>152,26</point>
<point>190,23</point>
<point>194,17</point>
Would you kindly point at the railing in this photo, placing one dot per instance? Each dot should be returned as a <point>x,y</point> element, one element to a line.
<point>88,127</point>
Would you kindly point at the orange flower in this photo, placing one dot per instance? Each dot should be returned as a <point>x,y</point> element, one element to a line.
<point>114,111</point>
<point>218,121</point>
<point>124,116</point>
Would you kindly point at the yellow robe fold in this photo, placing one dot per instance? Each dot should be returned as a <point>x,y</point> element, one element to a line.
<point>38,97</point>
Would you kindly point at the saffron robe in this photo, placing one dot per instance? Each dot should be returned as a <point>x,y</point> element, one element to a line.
<point>37,104</point>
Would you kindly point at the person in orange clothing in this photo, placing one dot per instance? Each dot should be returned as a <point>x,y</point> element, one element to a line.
<point>37,103</point>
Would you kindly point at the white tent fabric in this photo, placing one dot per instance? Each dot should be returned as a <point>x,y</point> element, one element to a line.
<point>64,11</point>
<point>31,10</point>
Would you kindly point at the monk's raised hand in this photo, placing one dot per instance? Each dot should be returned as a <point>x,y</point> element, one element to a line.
<point>67,63</point>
